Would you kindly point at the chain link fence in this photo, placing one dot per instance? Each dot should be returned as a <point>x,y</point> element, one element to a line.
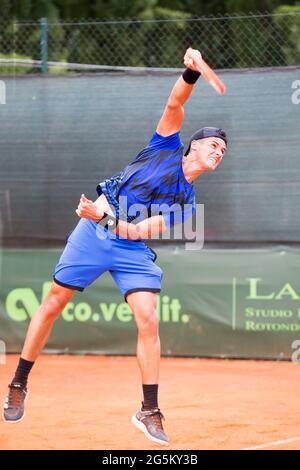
<point>228,42</point>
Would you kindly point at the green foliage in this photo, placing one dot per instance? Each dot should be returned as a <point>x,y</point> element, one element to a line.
<point>13,68</point>
<point>246,6</point>
<point>227,43</point>
<point>289,28</point>
<point>103,9</point>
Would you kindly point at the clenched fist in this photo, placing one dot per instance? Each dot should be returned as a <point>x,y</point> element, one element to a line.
<point>88,210</point>
<point>193,59</point>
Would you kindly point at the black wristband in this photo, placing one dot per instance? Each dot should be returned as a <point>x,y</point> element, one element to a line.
<point>190,76</point>
<point>108,221</point>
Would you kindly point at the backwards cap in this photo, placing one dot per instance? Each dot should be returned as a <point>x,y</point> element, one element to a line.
<point>207,132</point>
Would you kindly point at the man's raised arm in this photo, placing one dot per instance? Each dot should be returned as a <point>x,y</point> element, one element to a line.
<point>173,114</point>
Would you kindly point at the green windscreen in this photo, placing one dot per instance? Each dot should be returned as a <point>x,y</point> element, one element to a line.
<point>61,135</point>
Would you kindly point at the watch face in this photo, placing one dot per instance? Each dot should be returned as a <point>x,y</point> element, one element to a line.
<point>110,222</point>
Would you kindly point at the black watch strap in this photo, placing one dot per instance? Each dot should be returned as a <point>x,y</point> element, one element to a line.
<point>108,221</point>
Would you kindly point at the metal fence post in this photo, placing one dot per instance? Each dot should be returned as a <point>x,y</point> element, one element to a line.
<point>44,44</point>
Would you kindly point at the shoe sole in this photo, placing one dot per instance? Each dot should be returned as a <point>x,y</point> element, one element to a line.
<point>143,428</point>
<point>17,420</point>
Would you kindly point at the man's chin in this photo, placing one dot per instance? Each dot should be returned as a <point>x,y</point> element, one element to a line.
<point>211,168</point>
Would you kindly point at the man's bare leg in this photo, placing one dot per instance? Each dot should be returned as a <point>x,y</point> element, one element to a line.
<point>143,306</point>
<point>37,335</point>
<point>149,419</point>
<point>42,322</point>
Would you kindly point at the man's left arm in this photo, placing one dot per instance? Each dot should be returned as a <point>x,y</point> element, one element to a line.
<point>147,228</point>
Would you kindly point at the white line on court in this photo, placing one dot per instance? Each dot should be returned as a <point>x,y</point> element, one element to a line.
<point>274,443</point>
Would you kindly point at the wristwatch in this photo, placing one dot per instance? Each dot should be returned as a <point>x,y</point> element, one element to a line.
<point>108,221</point>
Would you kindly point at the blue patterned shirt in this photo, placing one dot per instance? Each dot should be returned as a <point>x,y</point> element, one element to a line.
<point>154,179</point>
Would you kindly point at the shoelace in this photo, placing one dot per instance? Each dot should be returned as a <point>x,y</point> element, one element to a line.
<point>15,396</point>
<point>157,416</point>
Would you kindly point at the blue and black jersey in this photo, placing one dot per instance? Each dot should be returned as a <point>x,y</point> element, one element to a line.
<point>155,180</point>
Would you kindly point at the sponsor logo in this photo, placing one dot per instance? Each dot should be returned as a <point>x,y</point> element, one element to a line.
<point>22,303</point>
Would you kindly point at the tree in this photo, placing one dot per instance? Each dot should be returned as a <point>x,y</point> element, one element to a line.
<point>289,29</point>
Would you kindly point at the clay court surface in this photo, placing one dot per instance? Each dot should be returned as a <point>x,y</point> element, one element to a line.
<point>86,402</point>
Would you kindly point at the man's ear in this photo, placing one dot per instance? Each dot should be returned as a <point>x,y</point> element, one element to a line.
<point>194,145</point>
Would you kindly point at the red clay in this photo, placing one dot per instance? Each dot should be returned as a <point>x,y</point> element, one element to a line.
<point>86,402</point>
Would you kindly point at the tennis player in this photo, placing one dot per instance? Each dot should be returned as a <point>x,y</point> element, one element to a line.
<point>109,238</point>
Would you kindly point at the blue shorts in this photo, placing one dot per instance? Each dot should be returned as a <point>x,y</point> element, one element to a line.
<point>92,250</point>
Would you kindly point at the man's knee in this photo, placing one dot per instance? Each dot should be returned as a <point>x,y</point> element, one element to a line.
<point>56,300</point>
<point>148,324</point>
